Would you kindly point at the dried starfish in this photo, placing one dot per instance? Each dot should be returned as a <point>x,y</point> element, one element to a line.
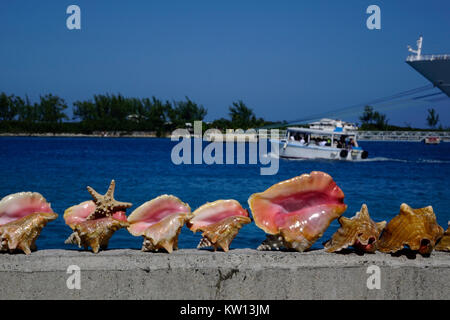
<point>106,205</point>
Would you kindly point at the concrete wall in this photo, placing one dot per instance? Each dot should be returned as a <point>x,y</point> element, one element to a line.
<point>238,274</point>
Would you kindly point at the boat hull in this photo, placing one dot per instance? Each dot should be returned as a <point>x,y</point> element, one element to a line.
<point>432,140</point>
<point>291,150</point>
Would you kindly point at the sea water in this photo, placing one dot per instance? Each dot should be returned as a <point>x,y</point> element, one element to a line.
<point>61,168</point>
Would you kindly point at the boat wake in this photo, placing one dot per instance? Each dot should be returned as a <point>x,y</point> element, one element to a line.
<point>432,161</point>
<point>403,160</point>
<point>271,155</point>
<point>375,159</point>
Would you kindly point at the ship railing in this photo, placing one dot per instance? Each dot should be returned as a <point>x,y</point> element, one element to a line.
<point>402,135</point>
<point>428,57</point>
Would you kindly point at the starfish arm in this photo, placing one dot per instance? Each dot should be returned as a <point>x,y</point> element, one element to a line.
<point>94,194</point>
<point>112,187</point>
<point>122,205</point>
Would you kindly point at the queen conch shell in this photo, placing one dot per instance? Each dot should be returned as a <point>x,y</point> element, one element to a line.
<point>220,222</point>
<point>23,215</point>
<point>94,222</point>
<point>415,228</point>
<point>95,233</point>
<point>159,221</point>
<point>444,243</point>
<point>360,232</point>
<point>296,212</point>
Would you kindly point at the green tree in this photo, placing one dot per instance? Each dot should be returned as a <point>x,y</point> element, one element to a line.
<point>156,113</point>
<point>373,120</point>
<point>102,106</point>
<point>183,112</point>
<point>241,116</point>
<point>51,109</point>
<point>84,110</point>
<point>27,112</point>
<point>432,118</point>
<point>367,116</point>
<point>221,124</point>
<point>8,108</point>
<point>381,121</point>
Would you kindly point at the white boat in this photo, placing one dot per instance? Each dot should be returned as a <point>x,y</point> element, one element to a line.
<point>432,140</point>
<point>331,124</point>
<point>331,144</point>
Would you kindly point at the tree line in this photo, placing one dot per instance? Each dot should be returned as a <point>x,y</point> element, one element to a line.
<point>50,108</point>
<point>114,112</point>
<point>375,120</point>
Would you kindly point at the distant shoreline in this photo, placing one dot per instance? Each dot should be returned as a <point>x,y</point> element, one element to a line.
<point>402,136</point>
<point>83,135</point>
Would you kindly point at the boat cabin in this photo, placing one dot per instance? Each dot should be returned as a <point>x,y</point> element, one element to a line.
<point>337,138</point>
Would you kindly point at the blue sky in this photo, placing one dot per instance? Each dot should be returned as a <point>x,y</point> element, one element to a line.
<point>285,59</point>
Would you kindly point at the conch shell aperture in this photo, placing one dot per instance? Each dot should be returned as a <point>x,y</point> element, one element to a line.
<point>23,215</point>
<point>220,222</point>
<point>360,232</point>
<point>159,221</point>
<point>94,222</point>
<point>415,228</point>
<point>295,213</point>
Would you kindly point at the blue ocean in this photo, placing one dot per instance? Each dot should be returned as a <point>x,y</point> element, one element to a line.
<point>61,168</point>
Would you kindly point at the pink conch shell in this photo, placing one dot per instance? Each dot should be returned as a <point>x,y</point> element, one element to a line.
<point>94,222</point>
<point>159,221</point>
<point>415,228</point>
<point>80,213</point>
<point>220,222</point>
<point>359,231</point>
<point>22,217</point>
<point>296,212</point>
<point>444,243</point>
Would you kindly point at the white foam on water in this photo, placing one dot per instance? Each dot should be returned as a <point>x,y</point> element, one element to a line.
<point>271,155</point>
<point>382,159</point>
<point>375,159</point>
<point>432,161</point>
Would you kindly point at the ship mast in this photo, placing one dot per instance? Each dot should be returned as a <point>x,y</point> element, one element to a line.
<point>418,52</point>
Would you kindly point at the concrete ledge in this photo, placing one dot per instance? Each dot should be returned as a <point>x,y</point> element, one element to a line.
<point>238,274</point>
